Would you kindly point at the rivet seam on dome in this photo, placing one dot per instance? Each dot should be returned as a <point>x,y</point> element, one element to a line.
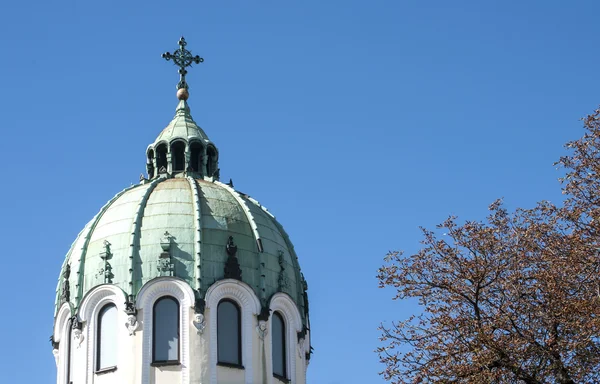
<point>197,235</point>
<point>135,230</point>
<point>88,235</point>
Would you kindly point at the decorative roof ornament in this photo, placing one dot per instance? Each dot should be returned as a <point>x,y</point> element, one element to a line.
<point>165,264</point>
<point>65,295</point>
<point>282,281</point>
<point>232,265</point>
<point>183,59</point>
<point>105,269</point>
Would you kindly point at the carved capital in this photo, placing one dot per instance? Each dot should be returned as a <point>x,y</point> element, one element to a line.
<point>132,324</point>
<point>55,353</point>
<point>199,322</point>
<point>78,337</point>
<point>262,329</point>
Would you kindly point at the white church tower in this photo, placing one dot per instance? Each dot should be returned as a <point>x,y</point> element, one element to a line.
<point>181,279</point>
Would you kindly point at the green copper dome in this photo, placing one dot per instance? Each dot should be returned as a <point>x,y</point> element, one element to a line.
<point>182,222</point>
<point>181,127</point>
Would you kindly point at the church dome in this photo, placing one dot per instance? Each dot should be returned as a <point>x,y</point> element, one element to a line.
<point>181,278</point>
<point>195,219</point>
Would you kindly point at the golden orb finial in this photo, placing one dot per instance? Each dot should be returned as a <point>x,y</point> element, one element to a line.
<point>183,94</point>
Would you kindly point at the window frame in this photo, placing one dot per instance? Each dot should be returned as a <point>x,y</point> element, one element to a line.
<point>239,331</point>
<point>160,363</point>
<point>98,349</point>
<point>284,347</point>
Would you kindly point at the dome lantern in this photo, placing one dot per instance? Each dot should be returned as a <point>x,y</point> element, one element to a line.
<point>182,148</point>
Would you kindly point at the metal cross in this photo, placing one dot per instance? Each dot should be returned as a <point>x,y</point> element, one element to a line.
<point>183,59</point>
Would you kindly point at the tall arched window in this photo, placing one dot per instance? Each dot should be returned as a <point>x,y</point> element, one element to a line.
<point>196,156</point>
<point>229,333</point>
<point>211,161</point>
<point>150,164</point>
<point>165,333</point>
<point>278,347</point>
<point>161,157</point>
<point>106,343</point>
<point>178,156</point>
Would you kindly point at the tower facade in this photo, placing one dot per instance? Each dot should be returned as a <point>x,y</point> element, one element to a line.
<point>181,278</point>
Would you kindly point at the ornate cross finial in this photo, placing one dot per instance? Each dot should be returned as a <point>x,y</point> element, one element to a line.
<point>183,59</point>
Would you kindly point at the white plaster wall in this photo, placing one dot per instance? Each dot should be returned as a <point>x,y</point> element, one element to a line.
<point>198,350</point>
<point>166,375</point>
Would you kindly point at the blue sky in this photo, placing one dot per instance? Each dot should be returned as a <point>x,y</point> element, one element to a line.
<point>354,122</point>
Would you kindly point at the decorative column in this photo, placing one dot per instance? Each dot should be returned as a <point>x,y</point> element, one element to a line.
<point>186,158</point>
<point>169,161</point>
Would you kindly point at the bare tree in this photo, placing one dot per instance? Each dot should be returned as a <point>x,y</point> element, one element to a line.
<point>512,299</point>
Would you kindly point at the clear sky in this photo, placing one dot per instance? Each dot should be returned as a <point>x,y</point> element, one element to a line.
<point>354,122</point>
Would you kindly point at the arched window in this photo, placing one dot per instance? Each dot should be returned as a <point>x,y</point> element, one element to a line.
<point>196,156</point>
<point>178,156</point>
<point>229,333</point>
<point>161,157</point>
<point>150,164</point>
<point>106,343</point>
<point>165,333</point>
<point>278,346</point>
<point>211,161</point>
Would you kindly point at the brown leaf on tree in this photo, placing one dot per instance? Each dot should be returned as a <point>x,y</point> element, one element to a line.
<point>513,299</point>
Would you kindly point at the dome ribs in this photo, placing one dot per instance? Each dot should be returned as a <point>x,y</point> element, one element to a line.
<point>247,212</point>
<point>197,236</point>
<point>61,280</point>
<point>254,227</point>
<point>299,289</point>
<point>135,234</point>
<point>88,236</point>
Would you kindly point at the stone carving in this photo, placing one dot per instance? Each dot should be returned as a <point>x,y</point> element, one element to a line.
<point>105,269</point>
<point>65,295</point>
<point>130,306</point>
<point>165,265</point>
<point>262,329</point>
<point>264,314</point>
<point>300,347</point>
<point>55,353</point>
<point>199,322</point>
<point>54,343</point>
<point>232,265</point>
<point>77,327</point>
<point>131,324</point>
<point>305,294</point>
<point>282,281</point>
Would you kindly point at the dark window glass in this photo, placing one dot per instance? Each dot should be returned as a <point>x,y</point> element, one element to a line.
<point>161,157</point>
<point>196,157</point>
<point>229,348</point>
<point>69,350</point>
<point>211,161</point>
<point>178,156</point>
<point>106,353</point>
<point>278,350</point>
<point>166,330</point>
